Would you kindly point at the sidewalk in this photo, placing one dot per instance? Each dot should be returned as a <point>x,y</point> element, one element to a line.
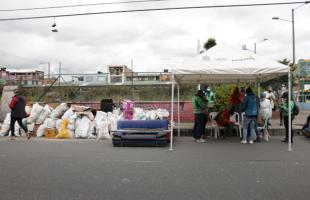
<point>274,129</point>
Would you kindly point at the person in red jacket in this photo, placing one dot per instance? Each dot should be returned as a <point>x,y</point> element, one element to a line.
<point>18,112</point>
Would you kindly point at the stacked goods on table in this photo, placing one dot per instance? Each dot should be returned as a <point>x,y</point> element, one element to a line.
<point>75,121</point>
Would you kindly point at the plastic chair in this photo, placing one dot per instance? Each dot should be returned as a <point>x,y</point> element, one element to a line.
<point>264,128</point>
<point>237,124</point>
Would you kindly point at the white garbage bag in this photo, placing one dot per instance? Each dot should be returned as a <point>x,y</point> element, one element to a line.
<point>68,114</point>
<point>44,114</point>
<point>6,125</point>
<point>35,112</point>
<point>100,116</point>
<point>50,123</point>
<point>82,127</point>
<point>58,123</point>
<point>112,120</point>
<point>91,131</point>
<point>162,113</point>
<point>41,130</point>
<point>103,130</point>
<point>59,111</point>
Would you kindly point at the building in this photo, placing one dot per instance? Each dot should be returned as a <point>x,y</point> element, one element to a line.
<point>22,78</point>
<point>118,73</point>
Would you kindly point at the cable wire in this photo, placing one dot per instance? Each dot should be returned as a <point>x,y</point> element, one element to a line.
<point>154,9</point>
<point>80,5</point>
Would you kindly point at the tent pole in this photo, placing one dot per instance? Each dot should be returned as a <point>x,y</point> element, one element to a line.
<point>258,88</point>
<point>289,112</point>
<point>171,120</point>
<point>179,132</point>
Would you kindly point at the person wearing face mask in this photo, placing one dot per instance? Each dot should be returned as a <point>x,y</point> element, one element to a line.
<point>282,91</point>
<point>270,95</point>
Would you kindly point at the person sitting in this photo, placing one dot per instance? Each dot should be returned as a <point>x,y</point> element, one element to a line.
<point>306,128</point>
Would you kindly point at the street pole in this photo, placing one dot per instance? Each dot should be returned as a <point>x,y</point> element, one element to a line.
<point>48,71</point>
<point>255,47</point>
<point>132,89</point>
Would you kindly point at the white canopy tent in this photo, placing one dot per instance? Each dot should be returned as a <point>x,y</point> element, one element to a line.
<point>225,64</point>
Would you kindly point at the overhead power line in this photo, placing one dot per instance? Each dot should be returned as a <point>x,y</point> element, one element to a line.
<point>154,9</point>
<point>80,5</point>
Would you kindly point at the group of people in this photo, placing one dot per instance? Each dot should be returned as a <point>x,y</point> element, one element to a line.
<point>257,111</point>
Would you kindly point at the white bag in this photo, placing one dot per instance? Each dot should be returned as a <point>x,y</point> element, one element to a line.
<point>162,113</point>
<point>41,130</point>
<point>91,131</point>
<point>43,114</point>
<point>82,127</point>
<point>35,112</point>
<point>103,131</point>
<point>6,125</point>
<point>68,114</point>
<point>50,123</point>
<point>59,111</point>
<point>58,123</point>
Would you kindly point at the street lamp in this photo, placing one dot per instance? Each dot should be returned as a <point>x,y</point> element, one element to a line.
<point>263,40</point>
<point>289,73</point>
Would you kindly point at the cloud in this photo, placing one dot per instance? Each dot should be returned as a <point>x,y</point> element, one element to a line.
<point>154,40</point>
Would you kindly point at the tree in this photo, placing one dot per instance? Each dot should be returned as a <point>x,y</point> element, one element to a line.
<point>211,42</point>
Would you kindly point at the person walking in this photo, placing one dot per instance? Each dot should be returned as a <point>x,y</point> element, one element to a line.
<point>18,112</point>
<point>250,108</point>
<point>286,109</point>
<point>199,110</point>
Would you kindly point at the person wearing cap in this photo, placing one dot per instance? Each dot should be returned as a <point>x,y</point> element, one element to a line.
<point>18,112</point>
<point>286,109</point>
<point>199,110</point>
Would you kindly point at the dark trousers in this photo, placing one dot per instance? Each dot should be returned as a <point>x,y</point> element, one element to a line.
<point>286,128</point>
<point>20,123</point>
<point>199,125</point>
<point>281,116</point>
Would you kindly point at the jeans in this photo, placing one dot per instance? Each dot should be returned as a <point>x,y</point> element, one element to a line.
<point>199,125</point>
<point>20,123</point>
<point>249,128</point>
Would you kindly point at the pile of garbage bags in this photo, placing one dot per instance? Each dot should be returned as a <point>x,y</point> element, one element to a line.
<point>75,121</point>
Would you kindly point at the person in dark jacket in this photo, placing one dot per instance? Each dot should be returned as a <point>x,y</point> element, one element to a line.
<point>18,112</point>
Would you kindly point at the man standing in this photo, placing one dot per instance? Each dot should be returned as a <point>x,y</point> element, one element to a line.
<point>199,110</point>
<point>210,96</point>
<point>18,112</point>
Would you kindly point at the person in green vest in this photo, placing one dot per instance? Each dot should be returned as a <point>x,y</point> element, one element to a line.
<point>286,110</point>
<point>200,112</point>
<point>210,96</point>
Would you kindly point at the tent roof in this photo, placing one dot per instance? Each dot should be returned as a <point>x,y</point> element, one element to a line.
<point>224,63</point>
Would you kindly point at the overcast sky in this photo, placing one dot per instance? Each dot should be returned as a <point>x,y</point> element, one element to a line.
<point>153,40</point>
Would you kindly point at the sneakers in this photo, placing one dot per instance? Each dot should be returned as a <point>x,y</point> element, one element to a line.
<point>251,142</point>
<point>201,140</point>
<point>243,142</point>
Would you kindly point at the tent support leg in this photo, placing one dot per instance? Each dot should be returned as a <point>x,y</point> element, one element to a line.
<point>179,131</point>
<point>172,115</point>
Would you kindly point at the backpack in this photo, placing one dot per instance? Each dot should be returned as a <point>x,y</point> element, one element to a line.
<point>295,109</point>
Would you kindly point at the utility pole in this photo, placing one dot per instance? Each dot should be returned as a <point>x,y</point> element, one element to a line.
<point>132,88</point>
<point>48,71</point>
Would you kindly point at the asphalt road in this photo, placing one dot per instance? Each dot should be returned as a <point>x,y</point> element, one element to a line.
<point>90,169</point>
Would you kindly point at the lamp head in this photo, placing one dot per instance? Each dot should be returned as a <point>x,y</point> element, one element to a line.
<point>275,18</point>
